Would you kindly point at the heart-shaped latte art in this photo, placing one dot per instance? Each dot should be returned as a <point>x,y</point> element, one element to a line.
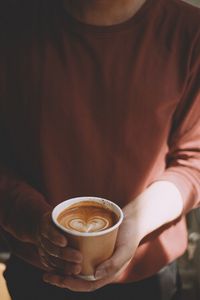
<point>86,217</point>
<point>93,224</point>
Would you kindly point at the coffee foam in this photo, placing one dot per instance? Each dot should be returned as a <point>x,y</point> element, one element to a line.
<point>87,217</point>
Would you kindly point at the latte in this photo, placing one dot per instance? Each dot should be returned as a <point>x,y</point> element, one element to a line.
<point>87,217</point>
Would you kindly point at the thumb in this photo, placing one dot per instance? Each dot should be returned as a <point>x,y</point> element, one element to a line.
<point>118,262</point>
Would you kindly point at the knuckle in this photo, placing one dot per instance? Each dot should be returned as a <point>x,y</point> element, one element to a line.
<point>53,264</point>
<point>50,248</point>
<point>44,262</point>
<point>53,236</point>
<point>53,252</point>
<point>51,261</point>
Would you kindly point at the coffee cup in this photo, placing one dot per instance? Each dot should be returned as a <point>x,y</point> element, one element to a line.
<point>90,225</point>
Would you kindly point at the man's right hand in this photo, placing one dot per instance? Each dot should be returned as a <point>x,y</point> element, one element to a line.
<point>53,249</point>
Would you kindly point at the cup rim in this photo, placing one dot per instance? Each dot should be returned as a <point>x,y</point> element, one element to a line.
<point>64,204</point>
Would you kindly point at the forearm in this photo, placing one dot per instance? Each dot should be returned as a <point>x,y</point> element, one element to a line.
<point>159,204</point>
<point>21,207</point>
<point>187,180</point>
<point>157,250</point>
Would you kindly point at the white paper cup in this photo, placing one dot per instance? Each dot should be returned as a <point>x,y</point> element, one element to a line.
<point>95,247</point>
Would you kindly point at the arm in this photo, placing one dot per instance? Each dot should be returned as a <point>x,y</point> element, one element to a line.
<point>177,191</point>
<point>21,206</point>
<point>24,210</point>
<point>159,211</point>
<point>147,217</point>
<point>182,170</point>
<point>183,159</point>
<point>25,214</point>
<point>158,205</point>
<point>153,219</point>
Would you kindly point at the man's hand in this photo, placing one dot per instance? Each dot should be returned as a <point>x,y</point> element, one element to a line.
<point>109,271</point>
<point>55,255</point>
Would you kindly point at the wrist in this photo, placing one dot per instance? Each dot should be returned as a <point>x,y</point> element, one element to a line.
<point>158,205</point>
<point>131,217</point>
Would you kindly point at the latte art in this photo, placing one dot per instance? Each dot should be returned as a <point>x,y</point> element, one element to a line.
<point>91,225</point>
<point>87,217</point>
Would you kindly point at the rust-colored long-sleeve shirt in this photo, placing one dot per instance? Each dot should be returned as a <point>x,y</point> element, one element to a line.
<point>103,111</point>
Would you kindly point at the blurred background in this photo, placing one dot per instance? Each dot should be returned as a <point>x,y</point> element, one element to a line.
<point>189,263</point>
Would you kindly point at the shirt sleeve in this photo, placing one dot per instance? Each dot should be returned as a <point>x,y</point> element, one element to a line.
<point>183,170</point>
<point>183,159</point>
<point>21,205</point>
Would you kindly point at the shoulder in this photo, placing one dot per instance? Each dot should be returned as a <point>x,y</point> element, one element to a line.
<point>181,9</point>
<point>180,23</point>
<point>185,16</point>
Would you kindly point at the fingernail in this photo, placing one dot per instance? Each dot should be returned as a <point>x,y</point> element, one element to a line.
<point>100,274</point>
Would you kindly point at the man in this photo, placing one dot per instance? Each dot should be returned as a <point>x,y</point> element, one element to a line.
<point>99,98</point>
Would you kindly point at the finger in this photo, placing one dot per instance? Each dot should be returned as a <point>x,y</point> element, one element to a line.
<point>60,265</point>
<point>71,283</point>
<point>66,254</point>
<point>46,264</point>
<point>43,260</point>
<point>116,264</point>
<point>51,232</point>
<point>72,269</point>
